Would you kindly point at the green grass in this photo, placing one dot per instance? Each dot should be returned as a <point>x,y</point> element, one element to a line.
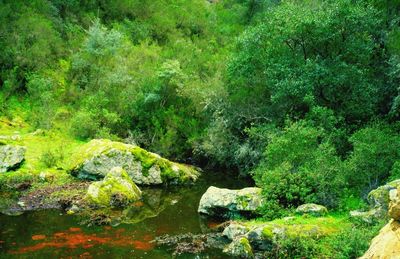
<point>304,225</point>
<point>39,144</point>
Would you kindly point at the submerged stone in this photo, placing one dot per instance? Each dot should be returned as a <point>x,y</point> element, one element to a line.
<point>115,190</point>
<point>11,157</point>
<point>97,157</point>
<point>229,203</point>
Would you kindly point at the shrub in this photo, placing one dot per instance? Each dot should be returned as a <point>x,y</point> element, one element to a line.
<point>298,167</point>
<point>352,242</point>
<point>293,247</point>
<point>376,148</point>
<point>52,157</point>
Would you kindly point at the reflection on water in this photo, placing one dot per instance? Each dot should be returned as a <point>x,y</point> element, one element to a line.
<point>163,211</point>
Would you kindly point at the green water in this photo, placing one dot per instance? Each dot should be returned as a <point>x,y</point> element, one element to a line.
<point>52,234</point>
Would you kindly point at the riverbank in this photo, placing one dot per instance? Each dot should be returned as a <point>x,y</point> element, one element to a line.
<point>165,221</point>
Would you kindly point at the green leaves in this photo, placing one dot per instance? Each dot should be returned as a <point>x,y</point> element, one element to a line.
<point>298,168</point>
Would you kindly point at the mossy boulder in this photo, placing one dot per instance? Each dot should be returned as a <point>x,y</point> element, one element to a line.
<point>96,158</point>
<point>240,247</point>
<point>379,200</point>
<point>11,157</point>
<point>312,209</point>
<point>116,190</point>
<point>230,203</point>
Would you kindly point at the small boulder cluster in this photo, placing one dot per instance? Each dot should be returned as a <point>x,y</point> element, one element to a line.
<point>246,239</point>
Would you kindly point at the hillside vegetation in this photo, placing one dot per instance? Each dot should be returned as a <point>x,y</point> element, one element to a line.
<point>302,96</point>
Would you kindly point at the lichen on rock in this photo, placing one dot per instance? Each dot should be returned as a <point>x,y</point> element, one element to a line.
<point>379,200</point>
<point>96,158</point>
<point>312,209</point>
<point>115,190</point>
<point>229,203</point>
<point>240,247</point>
<point>11,157</point>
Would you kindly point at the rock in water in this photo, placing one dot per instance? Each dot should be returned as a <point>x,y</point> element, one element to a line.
<point>97,157</point>
<point>228,203</point>
<point>387,243</point>
<point>312,209</point>
<point>11,157</point>
<point>115,190</point>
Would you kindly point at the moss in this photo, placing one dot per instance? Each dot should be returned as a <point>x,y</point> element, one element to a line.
<point>116,184</point>
<point>300,226</point>
<point>267,233</point>
<point>248,251</point>
<point>37,143</point>
<point>243,201</point>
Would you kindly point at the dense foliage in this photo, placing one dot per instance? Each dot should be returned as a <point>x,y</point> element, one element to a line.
<point>302,95</point>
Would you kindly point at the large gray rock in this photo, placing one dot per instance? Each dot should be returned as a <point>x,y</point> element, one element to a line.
<point>312,209</point>
<point>11,157</point>
<point>99,156</point>
<point>229,203</point>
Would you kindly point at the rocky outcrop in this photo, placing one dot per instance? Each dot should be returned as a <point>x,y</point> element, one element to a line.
<point>116,190</point>
<point>387,243</point>
<point>11,157</point>
<point>378,201</point>
<point>312,209</point>
<point>96,158</point>
<point>230,203</point>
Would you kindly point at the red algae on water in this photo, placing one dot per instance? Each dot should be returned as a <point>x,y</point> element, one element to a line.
<point>75,229</point>
<point>75,238</point>
<point>38,237</point>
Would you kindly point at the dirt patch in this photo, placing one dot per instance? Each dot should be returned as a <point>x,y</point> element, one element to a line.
<point>49,197</point>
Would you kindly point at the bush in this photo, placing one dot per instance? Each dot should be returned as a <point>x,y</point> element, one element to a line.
<point>376,148</point>
<point>293,247</point>
<point>351,243</point>
<point>299,167</point>
<point>52,157</point>
<point>83,125</point>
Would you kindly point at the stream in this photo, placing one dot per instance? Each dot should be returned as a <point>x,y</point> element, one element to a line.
<point>53,234</point>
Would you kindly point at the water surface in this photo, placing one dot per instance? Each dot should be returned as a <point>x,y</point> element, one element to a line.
<point>52,234</point>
